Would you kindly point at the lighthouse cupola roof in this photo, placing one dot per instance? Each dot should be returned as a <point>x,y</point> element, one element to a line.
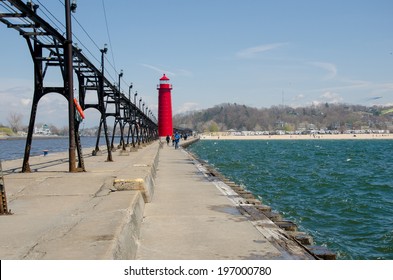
<point>164,80</point>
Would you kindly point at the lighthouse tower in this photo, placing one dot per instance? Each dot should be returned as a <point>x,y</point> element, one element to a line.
<point>164,107</point>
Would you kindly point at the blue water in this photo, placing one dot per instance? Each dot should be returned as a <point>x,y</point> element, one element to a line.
<point>15,148</point>
<point>340,192</point>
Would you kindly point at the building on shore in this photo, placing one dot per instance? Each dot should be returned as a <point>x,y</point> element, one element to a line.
<point>43,130</point>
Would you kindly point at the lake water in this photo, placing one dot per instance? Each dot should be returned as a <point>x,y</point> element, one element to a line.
<point>340,192</point>
<point>15,148</point>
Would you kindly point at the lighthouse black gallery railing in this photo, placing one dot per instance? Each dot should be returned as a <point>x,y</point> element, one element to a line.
<point>49,49</point>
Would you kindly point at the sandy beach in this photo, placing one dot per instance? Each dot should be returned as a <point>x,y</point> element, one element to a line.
<point>299,137</point>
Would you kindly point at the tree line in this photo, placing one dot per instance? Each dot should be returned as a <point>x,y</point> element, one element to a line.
<point>338,117</point>
<point>227,116</point>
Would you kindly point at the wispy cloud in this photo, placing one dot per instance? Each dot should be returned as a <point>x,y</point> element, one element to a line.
<point>52,107</point>
<point>253,51</point>
<point>25,101</point>
<point>178,72</point>
<point>352,91</point>
<point>329,67</point>
<point>184,72</point>
<point>16,90</point>
<point>331,97</point>
<point>349,85</point>
<point>299,97</point>
<point>328,97</point>
<point>187,107</point>
<point>157,69</point>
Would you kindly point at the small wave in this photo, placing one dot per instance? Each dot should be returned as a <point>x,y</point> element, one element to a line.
<point>346,205</point>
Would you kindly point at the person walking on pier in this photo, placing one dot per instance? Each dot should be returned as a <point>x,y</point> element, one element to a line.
<point>177,139</point>
<point>168,138</point>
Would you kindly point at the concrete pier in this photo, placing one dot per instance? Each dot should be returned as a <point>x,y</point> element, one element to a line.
<point>156,203</point>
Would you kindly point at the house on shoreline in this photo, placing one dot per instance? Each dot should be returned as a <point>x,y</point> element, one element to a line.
<point>43,130</point>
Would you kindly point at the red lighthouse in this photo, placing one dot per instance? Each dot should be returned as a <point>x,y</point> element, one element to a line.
<point>164,107</point>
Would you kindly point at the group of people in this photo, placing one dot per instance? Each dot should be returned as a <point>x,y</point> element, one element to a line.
<point>175,139</point>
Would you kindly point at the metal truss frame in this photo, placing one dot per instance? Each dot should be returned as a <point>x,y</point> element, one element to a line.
<point>47,48</point>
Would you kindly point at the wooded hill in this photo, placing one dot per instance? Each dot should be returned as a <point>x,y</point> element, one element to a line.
<point>340,117</point>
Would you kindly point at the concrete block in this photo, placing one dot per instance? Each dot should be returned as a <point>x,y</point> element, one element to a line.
<point>144,185</point>
<point>286,225</point>
<point>128,184</point>
<point>275,217</point>
<point>253,201</point>
<point>302,237</point>
<point>322,252</point>
<point>237,189</point>
<point>246,194</point>
<point>264,208</point>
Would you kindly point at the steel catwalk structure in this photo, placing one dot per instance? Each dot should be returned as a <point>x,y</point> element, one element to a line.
<point>49,49</point>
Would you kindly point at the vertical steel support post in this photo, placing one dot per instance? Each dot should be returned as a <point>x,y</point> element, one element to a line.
<point>35,51</point>
<point>103,107</point>
<point>82,95</point>
<point>38,93</point>
<point>129,115</point>
<point>69,86</point>
<point>134,121</point>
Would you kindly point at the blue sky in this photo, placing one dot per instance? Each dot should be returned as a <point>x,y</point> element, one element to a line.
<point>254,52</point>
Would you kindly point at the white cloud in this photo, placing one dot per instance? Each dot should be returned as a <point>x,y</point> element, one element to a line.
<point>178,72</point>
<point>331,97</point>
<point>350,85</point>
<point>187,107</point>
<point>328,97</point>
<point>355,84</point>
<point>25,101</point>
<point>316,103</point>
<point>253,51</point>
<point>329,67</point>
<point>14,95</point>
<point>299,97</point>
<point>157,69</point>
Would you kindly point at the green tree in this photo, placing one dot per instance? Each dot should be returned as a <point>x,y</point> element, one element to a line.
<point>289,127</point>
<point>213,127</point>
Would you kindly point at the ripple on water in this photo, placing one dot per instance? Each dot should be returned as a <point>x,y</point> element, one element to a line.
<point>340,192</point>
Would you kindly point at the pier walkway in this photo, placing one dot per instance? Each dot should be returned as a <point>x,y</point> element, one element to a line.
<point>191,218</point>
<point>156,203</point>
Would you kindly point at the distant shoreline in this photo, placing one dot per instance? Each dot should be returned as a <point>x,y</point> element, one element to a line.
<point>3,137</point>
<point>301,137</point>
